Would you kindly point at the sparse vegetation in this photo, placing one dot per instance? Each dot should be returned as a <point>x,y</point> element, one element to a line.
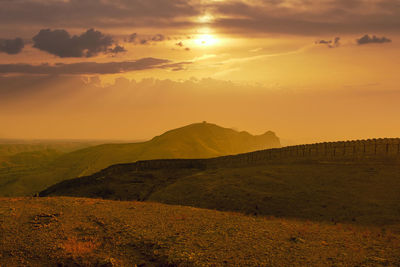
<point>91,232</point>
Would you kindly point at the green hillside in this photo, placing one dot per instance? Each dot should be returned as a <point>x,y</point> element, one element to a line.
<point>13,147</point>
<point>201,140</point>
<point>29,159</point>
<point>20,159</point>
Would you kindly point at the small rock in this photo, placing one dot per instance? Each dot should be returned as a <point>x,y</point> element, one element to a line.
<point>296,239</point>
<point>378,260</point>
<point>108,262</point>
<point>140,264</point>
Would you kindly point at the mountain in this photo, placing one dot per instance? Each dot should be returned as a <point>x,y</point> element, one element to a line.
<point>204,140</point>
<point>200,140</point>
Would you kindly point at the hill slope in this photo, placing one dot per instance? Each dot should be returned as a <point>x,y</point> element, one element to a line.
<point>14,147</point>
<point>86,232</point>
<point>201,140</point>
<point>363,193</point>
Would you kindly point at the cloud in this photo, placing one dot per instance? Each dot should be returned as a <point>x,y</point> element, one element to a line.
<point>62,44</point>
<point>92,67</point>
<point>330,43</point>
<point>11,47</point>
<point>117,49</point>
<point>133,38</point>
<point>145,40</point>
<point>366,39</point>
<point>158,38</point>
<point>182,45</point>
<point>324,42</point>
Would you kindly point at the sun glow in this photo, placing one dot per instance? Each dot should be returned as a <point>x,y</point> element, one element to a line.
<point>206,18</point>
<point>206,40</point>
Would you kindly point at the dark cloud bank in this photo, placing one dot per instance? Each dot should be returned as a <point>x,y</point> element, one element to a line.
<point>305,17</point>
<point>93,67</point>
<point>96,13</point>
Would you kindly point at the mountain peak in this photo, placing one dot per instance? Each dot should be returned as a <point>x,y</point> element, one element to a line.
<point>200,127</point>
<point>212,140</point>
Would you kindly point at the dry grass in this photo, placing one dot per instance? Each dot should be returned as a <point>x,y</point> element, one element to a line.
<point>91,232</point>
<point>78,248</point>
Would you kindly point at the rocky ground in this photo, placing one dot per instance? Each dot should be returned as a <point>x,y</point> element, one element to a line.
<point>89,232</point>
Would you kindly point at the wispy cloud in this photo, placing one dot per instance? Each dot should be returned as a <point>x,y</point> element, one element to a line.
<point>264,56</point>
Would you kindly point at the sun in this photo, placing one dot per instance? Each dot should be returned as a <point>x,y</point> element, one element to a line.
<point>206,40</point>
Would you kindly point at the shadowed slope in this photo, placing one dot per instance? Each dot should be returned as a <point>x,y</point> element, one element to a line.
<point>363,193</point>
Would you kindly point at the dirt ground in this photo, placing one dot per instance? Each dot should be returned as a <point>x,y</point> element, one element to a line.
<point>90,232</point>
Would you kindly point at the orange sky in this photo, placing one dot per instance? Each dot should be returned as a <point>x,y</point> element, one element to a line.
<point>308,70</point>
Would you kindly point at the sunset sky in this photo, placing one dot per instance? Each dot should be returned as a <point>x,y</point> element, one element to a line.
<point>130,69</point>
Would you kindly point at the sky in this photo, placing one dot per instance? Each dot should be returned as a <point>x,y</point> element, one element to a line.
<point>311,71</point>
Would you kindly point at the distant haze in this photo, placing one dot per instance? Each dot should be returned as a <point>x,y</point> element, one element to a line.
<point>71,108</point>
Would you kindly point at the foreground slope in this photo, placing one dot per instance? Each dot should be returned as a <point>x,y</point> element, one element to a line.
<point>200,140</point>
<point>87,232</point>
